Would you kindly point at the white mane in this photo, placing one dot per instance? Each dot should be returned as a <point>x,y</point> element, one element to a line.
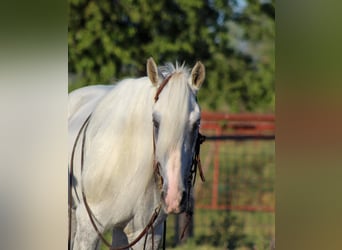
<point>121,123</point>
<point>121,131</point>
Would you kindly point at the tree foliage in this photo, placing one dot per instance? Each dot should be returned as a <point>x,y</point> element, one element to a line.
<point>109,40</point>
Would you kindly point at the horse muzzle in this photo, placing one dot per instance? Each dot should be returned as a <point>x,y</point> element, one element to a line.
<point>174,203</point>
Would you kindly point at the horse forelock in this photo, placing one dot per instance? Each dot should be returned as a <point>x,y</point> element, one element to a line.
<point>174,106</point>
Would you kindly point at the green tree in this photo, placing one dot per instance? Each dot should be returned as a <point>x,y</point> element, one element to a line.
<point>109,40</point>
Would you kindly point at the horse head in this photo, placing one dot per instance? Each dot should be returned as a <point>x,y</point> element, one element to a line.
<point>176,119</point>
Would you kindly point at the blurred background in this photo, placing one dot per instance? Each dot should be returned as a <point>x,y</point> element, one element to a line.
<point>111,40</point>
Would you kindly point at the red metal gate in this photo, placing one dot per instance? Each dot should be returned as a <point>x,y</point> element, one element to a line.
<point>245,139</point>
<point>238,160</point>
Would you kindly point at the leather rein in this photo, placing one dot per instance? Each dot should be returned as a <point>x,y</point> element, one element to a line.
<point>196,163</point>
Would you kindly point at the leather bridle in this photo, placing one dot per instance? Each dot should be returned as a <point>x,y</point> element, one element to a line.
<point>196,163</point>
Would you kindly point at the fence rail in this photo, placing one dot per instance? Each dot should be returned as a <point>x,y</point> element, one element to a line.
<point>224,134</point>
<point>238,163</point>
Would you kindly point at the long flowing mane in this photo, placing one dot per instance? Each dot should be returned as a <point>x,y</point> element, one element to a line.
<point>121,131</point>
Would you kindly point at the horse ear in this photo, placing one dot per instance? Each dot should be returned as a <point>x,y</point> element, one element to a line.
<point>152,71</point>
<point>197,75</point>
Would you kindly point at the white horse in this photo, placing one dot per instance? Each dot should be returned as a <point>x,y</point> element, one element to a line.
<point>138,152</point>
